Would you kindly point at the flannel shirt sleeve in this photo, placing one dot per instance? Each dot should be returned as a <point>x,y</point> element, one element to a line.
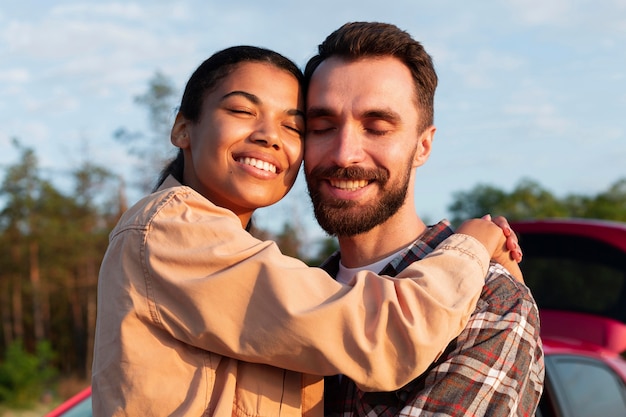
<point>496,367</point>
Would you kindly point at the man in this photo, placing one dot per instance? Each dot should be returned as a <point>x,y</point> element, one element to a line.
<point>369,126</point>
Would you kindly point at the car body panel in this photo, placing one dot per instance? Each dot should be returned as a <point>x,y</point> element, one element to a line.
<point>78,405</point>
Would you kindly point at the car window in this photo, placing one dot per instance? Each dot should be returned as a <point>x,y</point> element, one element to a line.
<point>585,387</point>
<point>572,273</point>
<point>82,409</point>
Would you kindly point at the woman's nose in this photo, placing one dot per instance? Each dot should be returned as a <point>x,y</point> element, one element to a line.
<point>267,135</point>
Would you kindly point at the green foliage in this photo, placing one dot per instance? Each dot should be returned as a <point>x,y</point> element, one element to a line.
<point>52,244</point>
<point>610,204</point>
<point>24,377</point>
<point>531,200</point>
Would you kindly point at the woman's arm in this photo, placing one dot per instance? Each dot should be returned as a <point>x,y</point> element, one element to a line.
<point>213,286</point>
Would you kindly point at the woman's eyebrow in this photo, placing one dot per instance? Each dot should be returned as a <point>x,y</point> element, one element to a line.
<point>256,100</point>
<point>296,112</point>
<point>253,98</point>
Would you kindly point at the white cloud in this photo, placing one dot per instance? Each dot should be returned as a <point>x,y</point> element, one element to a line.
<point>33,132</point>
<point>580,16</point>
<point>15,76</point>
<point>540,12</point>
<point>129,11</point>
<point>58,102</point>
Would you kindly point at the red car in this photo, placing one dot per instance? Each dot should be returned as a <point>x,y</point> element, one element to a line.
<point>577,272</point>
<point>77,406</point>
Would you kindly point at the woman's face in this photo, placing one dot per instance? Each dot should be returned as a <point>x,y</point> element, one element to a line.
<point>246,149</point>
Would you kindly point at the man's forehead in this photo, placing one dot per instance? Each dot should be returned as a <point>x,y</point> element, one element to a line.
<point>361,74</point>
<point>365,85</point>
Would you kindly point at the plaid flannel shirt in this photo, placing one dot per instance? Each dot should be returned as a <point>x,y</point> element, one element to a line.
<point>493,368</point>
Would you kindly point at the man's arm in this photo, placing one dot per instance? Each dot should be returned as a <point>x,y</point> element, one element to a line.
<point>495,366</point>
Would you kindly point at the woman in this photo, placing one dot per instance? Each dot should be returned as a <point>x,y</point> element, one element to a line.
<point>193,310</point>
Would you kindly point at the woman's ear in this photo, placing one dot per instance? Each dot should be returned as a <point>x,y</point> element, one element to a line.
<point>180,132</point>
<point>424,146</point>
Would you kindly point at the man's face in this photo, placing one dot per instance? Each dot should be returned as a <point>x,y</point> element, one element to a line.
<point>362,142</point>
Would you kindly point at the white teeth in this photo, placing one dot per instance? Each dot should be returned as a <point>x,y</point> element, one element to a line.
<point>257,163</point>
<point>350,185</point>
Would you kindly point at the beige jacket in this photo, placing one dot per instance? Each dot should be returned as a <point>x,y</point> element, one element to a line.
<point>192,311</point>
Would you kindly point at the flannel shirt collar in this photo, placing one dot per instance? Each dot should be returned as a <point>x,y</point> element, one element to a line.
<point>422,246</point>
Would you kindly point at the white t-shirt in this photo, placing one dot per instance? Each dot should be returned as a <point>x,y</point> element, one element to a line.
<point>345,275</point>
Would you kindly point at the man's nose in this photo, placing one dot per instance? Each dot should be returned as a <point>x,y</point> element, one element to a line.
<point>347,147</point>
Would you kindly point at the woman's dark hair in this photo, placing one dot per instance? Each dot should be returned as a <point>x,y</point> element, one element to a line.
<point>205,79</point>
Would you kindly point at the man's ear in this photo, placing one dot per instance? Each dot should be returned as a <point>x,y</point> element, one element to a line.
<point>180,132</point>
<point>424,146</point>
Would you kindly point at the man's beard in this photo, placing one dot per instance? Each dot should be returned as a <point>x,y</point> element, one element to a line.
<point>349,218</point>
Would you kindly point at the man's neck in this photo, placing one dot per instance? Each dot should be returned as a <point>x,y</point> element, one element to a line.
<point>381,241</point>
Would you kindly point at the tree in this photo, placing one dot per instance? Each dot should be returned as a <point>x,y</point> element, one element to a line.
<point>21,219</point>
<point>54,243</point>
<point>610,204</point>
<point>152,150</point>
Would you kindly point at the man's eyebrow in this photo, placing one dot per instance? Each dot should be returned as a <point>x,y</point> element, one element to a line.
<point>383,114</point>
<point>313,112</point>
<point>256,100</point>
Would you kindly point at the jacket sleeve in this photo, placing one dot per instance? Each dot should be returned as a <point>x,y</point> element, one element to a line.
<point>213,286</point>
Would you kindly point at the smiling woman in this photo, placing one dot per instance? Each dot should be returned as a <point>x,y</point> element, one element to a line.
<point>248,139</point>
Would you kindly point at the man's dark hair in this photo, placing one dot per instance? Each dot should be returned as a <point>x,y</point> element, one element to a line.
<point>357,40</point>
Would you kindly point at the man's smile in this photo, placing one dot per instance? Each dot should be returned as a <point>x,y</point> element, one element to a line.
<point>349,185</point>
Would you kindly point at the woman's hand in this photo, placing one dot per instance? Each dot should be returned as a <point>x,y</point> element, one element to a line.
<point>512,243</point>
<point>499,239</point>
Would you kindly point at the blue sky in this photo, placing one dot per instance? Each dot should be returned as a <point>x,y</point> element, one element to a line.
<point>528,88</point>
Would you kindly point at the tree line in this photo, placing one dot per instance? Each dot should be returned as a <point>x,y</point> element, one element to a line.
<point>52,243</point>
<point>530,200</point>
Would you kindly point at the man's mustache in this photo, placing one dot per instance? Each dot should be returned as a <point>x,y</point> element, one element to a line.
<point>350,173</point>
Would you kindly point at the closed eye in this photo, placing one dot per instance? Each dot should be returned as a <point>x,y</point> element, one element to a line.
<point>295,129</point>
<point>377,132</point>
<point>241,111</point>
<point>319,126</point>
<point>378,126</point>
<point>319,131</point>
